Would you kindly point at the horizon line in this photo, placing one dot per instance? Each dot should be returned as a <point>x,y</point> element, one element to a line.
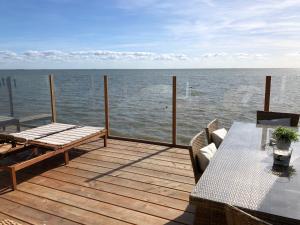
<point>192,68</point>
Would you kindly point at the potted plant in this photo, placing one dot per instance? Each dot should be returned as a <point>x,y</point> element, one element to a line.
<point>284,137</point>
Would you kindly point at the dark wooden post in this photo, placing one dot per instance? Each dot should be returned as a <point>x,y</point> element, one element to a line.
<point>174,112</point>
<point>10,96</point>
<point>106,104</point>
<point>267,94</point>
<point>52,95</point>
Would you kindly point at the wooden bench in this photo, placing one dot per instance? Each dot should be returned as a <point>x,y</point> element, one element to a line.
<point>53,139</point>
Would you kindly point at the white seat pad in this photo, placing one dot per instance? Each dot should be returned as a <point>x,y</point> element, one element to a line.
<point>42,131</point>
<point>58,133</point>
<point>205,154</point>
<point>218,136</point>
<point>68,136</point>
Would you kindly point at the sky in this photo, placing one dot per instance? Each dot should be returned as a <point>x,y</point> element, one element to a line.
<point>98,34</point>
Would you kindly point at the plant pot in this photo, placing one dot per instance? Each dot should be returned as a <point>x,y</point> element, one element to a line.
<point>282,157</point>
<point>283,144</point>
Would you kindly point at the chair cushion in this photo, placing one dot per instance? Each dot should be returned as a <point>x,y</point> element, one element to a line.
<point>205,154</point>
<point>218,136</point>
<point>275,122</point>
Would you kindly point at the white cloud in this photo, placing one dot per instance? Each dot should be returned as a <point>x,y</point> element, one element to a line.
<point>56,55</point>
<point>225,26</point>
<point>270,6</point>
<point>218,54</point>
<point>236,56</point>
<point>8,55</point>
<point>293,54</point>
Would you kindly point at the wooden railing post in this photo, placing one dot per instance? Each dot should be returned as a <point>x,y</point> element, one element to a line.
<point>174,111</point>
<point>267,94</point>
<point>52,95</point>
<point>106,104</point>
<point>10,96</point>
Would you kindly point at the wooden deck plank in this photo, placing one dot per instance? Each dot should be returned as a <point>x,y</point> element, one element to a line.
<point>147,147</point>
<point>125,183</point>
<point>135,185</point>
<point>133,149</point>
<point>55,208</point>
<point>149,160</point>
<point>152,162</point>
<point>4,217</point>
<point>15,208</point>
<point>116,199</point>
<point>157,158</point>
<point>136,170</point>
<point>143,178</point>
<point>101,208</point>
<point>121,190</point>
<point>111,161</point>
<point>135,152</point>
<point>135,145</point>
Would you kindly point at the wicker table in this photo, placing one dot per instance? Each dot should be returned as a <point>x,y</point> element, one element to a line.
<point>241,174</point>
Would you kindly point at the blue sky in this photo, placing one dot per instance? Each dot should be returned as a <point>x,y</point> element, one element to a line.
<point>149,33</point>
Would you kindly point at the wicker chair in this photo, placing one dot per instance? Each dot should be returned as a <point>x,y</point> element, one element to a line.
<point>235,216</point>
<point>197,142</point>
<point>211,127</point>
<point>261,115</point>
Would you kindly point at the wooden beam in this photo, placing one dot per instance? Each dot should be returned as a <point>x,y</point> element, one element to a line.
<point>11,105</point>
<point>52,95</point>
<point>106,104</point>
<point>267,94</point>
<point>174,112</point>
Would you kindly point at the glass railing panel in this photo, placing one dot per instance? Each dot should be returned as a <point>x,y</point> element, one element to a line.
<point>4,96</point>
<point>141,104</point>
<point>25,96</point>
<point>79,97</point>
<point>141,100</point>
<point>227,94</point>
<point>285,95</point>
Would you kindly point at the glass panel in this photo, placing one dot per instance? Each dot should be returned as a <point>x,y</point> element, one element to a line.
<point>141,100</point>
<point>79,97</point>
<point>227,94</point>
<point>4,97</point>
<point>285,95</point>
<point>141,104</point>
<point>30,102</point>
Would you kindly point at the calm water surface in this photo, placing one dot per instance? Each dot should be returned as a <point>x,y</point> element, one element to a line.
<point>140,100</point>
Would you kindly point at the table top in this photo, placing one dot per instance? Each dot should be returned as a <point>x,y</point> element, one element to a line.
<point>7,120</point>
<point>241,174</point>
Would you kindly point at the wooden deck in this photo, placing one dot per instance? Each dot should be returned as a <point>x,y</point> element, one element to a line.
<point>125,183</point>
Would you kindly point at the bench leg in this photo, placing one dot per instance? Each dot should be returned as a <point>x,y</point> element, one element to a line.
<point>66,156</point>
<point>35,151</point>
<point>105,140</point>
<point>13,177</point>
<point>18,127</point>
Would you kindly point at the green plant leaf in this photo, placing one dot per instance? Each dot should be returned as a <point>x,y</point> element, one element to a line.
<point>287,134</point>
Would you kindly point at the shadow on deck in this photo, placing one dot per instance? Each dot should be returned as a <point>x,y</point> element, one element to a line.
<point>124,183</point>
